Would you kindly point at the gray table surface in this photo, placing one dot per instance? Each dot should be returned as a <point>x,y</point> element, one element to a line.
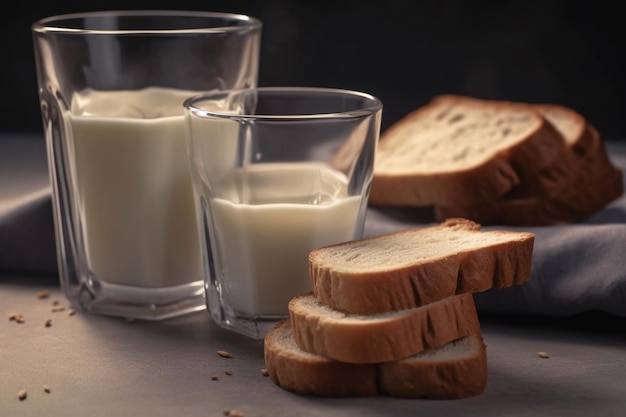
<point>105,366</point>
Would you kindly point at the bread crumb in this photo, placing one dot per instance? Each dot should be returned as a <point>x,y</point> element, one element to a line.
<point>57,309</point>
<point>55,302</point>
<point>22,394</point>
<point>214,377</point>
<point>224,354</point>
<point>16,317</point>
<point>233,413</point>
<point>71,312</point>
<point>228,372</point>
<point>46,389</point>
<point>43,294</point>
<point>48,323</point>
<point>543,355</point>
<point>264,372</point>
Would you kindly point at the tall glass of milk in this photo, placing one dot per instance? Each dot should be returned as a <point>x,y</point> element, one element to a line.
<point>277,172</point>
<point>111,88</point>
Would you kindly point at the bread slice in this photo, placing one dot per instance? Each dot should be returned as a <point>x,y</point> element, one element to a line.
<point>355,338</point>
<point>412,268</point>
<point>307,373</point>
<point>457,369</point>
<point>593,183</point>
<point>584,156</point>
<point>575,204</point>
<point>569,123</point>
<point>461,150</point>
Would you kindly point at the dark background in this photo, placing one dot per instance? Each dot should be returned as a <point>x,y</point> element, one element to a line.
<point>404,52</point>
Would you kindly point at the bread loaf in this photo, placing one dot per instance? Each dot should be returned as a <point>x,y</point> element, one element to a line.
<point>457,369</point>
<point>416,267</point>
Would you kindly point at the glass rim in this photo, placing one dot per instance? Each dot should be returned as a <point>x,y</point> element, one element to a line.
<point>51,23</point>
<point>372,105</point>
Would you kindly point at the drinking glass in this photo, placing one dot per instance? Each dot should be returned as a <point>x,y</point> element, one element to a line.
<point>277,172</point>
<point>111,88</point>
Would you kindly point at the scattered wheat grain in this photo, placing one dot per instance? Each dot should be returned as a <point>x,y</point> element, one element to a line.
<point>224,354</point>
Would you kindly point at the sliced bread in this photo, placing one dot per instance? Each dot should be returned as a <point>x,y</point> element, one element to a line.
<point>461,150</point>
<point>593,183</point>
<point>569,123</point>
<point>584,157</point>
<point>307,373</point>
<point>457,369</point>
<point>575,204</point>
<point>355,338</point>
<point>412,268</point>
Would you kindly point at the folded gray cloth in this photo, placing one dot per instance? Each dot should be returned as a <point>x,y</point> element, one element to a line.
<point>576,267</point>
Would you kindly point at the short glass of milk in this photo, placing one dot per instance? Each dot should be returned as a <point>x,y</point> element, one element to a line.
<point>111,89</point>
<point>277,172</point>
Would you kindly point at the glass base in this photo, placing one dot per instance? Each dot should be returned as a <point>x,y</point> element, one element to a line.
<point>252,326</point>
<point>137,302</point>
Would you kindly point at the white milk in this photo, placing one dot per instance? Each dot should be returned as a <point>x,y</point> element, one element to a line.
<point>134,188</point>
<point>272,217</point>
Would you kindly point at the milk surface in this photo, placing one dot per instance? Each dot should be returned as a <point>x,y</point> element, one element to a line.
<point>129,162</point>
<point>266,220</point>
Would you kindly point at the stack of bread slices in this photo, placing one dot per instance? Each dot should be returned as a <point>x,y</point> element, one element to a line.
<point>495,162</point>
<point>394,314</point>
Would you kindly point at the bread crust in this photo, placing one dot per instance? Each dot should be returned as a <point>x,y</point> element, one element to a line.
<point>423,281</point>
<point>394,336</point>
<point>481,183</point>
<point>500,170</point>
